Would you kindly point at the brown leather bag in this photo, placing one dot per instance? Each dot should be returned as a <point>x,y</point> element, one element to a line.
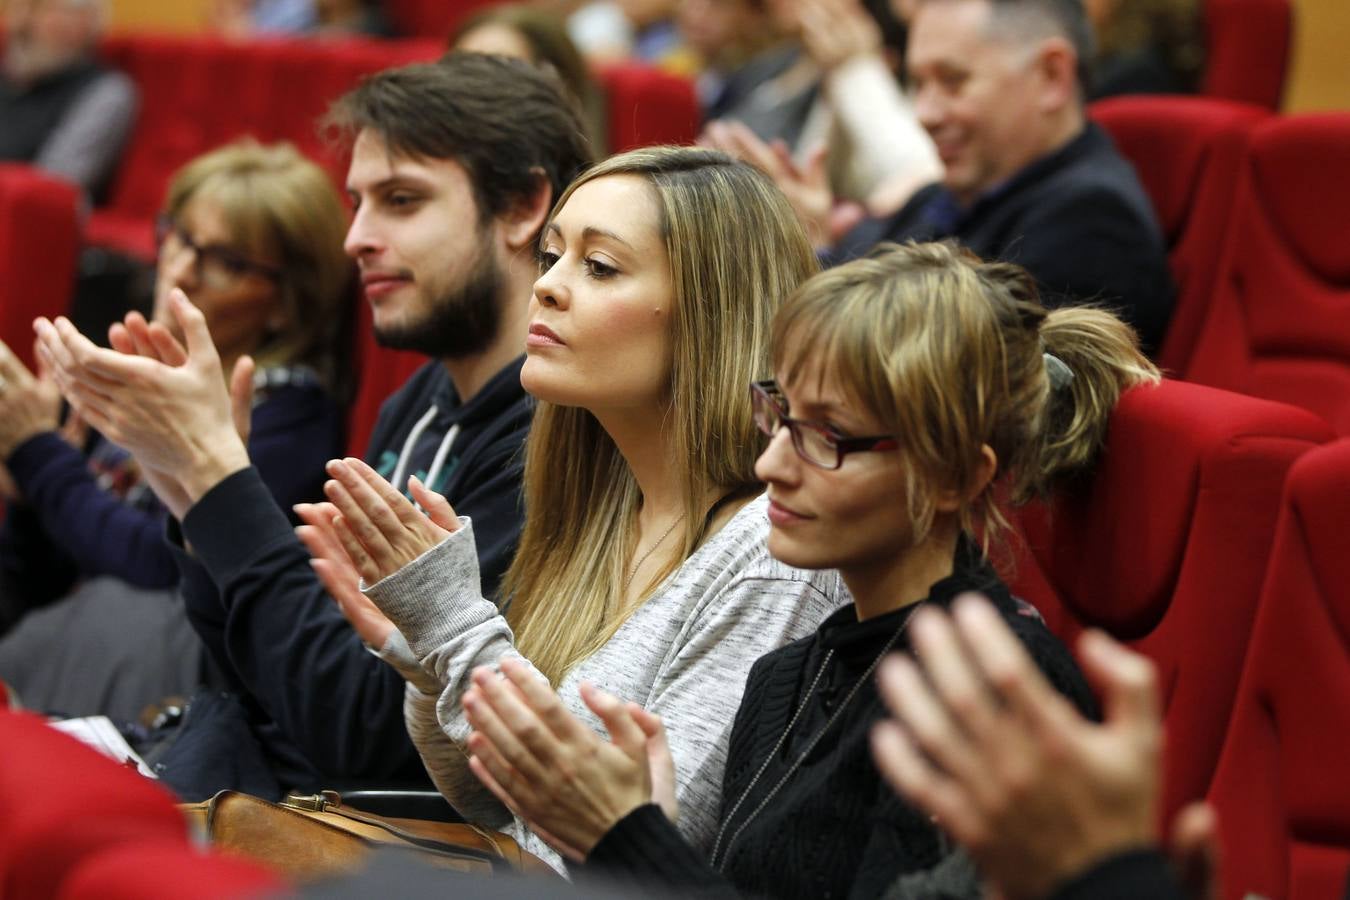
<point>310,837</point>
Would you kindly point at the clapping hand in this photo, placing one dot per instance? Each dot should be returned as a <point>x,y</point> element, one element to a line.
<point>568,783</point>
<point>1034,791</point>
<point>338,575</point>
<point>29,405</point>
<point>377,527</point>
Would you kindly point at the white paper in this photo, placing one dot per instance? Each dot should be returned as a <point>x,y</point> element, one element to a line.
<point>100,733</point>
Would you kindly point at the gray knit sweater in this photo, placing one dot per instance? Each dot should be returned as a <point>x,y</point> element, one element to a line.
<point>684,654</point>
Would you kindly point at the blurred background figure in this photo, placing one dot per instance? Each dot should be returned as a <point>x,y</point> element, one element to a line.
<point>59,108</point>
<point>253,234</point>
<point>641,30</point>
<point>244,19</point>
<point>1146,47</point>
<point>538,36</point>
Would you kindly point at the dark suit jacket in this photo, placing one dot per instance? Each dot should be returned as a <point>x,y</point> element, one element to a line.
<point>1078,220</point>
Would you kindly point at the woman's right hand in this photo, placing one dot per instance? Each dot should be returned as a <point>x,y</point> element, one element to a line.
<point>377,527</point>
<point>338,575</point>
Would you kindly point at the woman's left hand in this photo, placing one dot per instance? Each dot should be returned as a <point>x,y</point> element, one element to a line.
<point>567,782</point>
<point>380,530</point>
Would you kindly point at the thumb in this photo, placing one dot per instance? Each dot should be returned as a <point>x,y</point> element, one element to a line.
<point>437,508</point>
<point>193,324</point>
<point>241,396</point>
<point>1127,680</point>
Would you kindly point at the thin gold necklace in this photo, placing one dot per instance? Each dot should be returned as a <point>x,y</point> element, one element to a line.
<point>628,582</point>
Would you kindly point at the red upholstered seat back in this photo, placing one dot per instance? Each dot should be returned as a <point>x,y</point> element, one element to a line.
<point>1248,45</point>
<point>1279,325</point>
<point>39,242</point>
<point>64,806</point>
<point>198,93</point>
<point>430,18</point>
<point>1189,152</point>
<point>647,106</point>
<point>1281,787</point>
<point>1165,546</point>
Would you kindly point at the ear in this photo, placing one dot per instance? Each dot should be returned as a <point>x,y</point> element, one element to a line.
<point>1057,65</point>
<point>949,500</point>
<point>520,222</point>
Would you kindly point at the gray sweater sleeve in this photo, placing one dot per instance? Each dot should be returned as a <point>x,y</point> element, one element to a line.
<point>86,145</point>
<point>684,654</point>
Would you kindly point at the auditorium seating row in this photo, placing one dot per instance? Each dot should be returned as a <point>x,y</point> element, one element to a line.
<point>1211,538</point>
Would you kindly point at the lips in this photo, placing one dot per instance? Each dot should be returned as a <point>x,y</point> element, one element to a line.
<point>542,336</point>
<point>781,515</point>
<point>377,284</point>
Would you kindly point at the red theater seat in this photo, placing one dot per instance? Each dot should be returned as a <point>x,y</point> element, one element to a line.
<point>39,243</point>
<point>199,93</point>
<point>647,106</point>
<point>1281,787</point>
<point>64,807</point>
<point>431,18</point>
<point>1248,50</point>
<point>1189,152</point>
<point>1165,547</point>
<point>1279,323</point>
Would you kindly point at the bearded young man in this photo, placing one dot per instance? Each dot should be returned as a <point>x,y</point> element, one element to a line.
<point>454,168</point>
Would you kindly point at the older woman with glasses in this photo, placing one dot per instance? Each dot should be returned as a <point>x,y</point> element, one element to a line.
<point>254,235</point>
<point>908,385</point>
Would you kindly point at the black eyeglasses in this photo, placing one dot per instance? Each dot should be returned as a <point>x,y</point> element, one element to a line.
<point>217,267</point>
<point>818,444</point>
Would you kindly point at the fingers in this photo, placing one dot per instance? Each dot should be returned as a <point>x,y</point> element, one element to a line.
<point>542,700</point>
<point>166,345</point>
<point>365,515</point>
<point>624,731</point>
<point>355,550</point>
<point>12,368</point>
<point>193,323</point>
<point>480,769</point>
<point>1127,680</point>
<point>904,767</point>
<point>954,676</point>
<point>523,743</point>
<point>241,396</point>
<point>437,508</point>
<point>1196,852</point>
<point>398,523</point>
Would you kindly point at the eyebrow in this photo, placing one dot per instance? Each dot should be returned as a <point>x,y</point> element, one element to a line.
<point>398,178</point>
<point>589,232</point>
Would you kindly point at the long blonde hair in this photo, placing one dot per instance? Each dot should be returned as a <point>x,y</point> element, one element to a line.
<point>949,353</point>
<point>736,250</point>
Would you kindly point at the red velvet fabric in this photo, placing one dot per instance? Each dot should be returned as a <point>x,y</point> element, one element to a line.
<point>647,106</point>
<point>1165,546</point>
<point>1248,43</point>
<point>166,870</point>
<point>39,242</point>
<point>1279,324</point>
<point>62,806</point>
<point>1281,787</point>
<point>431,18</point>
<point>198,93</point>
<point>1189,152</point>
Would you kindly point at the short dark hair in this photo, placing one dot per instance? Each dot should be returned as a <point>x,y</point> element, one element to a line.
<point>1067,18</point>
<point>499,118</point>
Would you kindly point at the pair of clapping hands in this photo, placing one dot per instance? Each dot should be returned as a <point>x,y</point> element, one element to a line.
<point>170,404</point>
<point>980,740</point>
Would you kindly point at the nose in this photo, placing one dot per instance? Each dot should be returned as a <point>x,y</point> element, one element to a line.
<point>778,464</point>
<point>929,106</point>
<point>550,288</point>
<point>362,236</point>
<point>180,268</point>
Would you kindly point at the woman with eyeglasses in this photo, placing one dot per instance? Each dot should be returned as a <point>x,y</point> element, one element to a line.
<point>908,385</point>
<point>254,235</point>
<point>642,564</point>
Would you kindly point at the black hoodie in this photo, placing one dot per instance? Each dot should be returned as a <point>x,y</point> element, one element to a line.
<point>325,708</point>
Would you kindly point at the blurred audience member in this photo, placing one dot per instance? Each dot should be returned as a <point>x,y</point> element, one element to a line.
<point>723,35</point>
<point>641,30</point>
<point>244,19</point>
<point>1146,47</point>
<point>999,85</point>
<point>1047,803</point>
<point>827,117</point>
<point>61,110</point>
<point>254,235</point>
<point>540,38</point>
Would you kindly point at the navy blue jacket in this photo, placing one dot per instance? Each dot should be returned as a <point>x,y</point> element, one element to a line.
<point>327,709</point>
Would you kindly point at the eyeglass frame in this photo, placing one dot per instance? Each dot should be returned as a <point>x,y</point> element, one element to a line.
<point>235,264</point>
<point>843,445</point>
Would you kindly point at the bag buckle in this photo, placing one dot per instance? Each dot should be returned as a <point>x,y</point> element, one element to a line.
<point>313,802</point>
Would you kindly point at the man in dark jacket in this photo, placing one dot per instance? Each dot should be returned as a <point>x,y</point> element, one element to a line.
<point>999,86</point>
<point>454,169</point>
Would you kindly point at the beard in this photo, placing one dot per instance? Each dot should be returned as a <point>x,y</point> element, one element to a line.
<point>462,321</point>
